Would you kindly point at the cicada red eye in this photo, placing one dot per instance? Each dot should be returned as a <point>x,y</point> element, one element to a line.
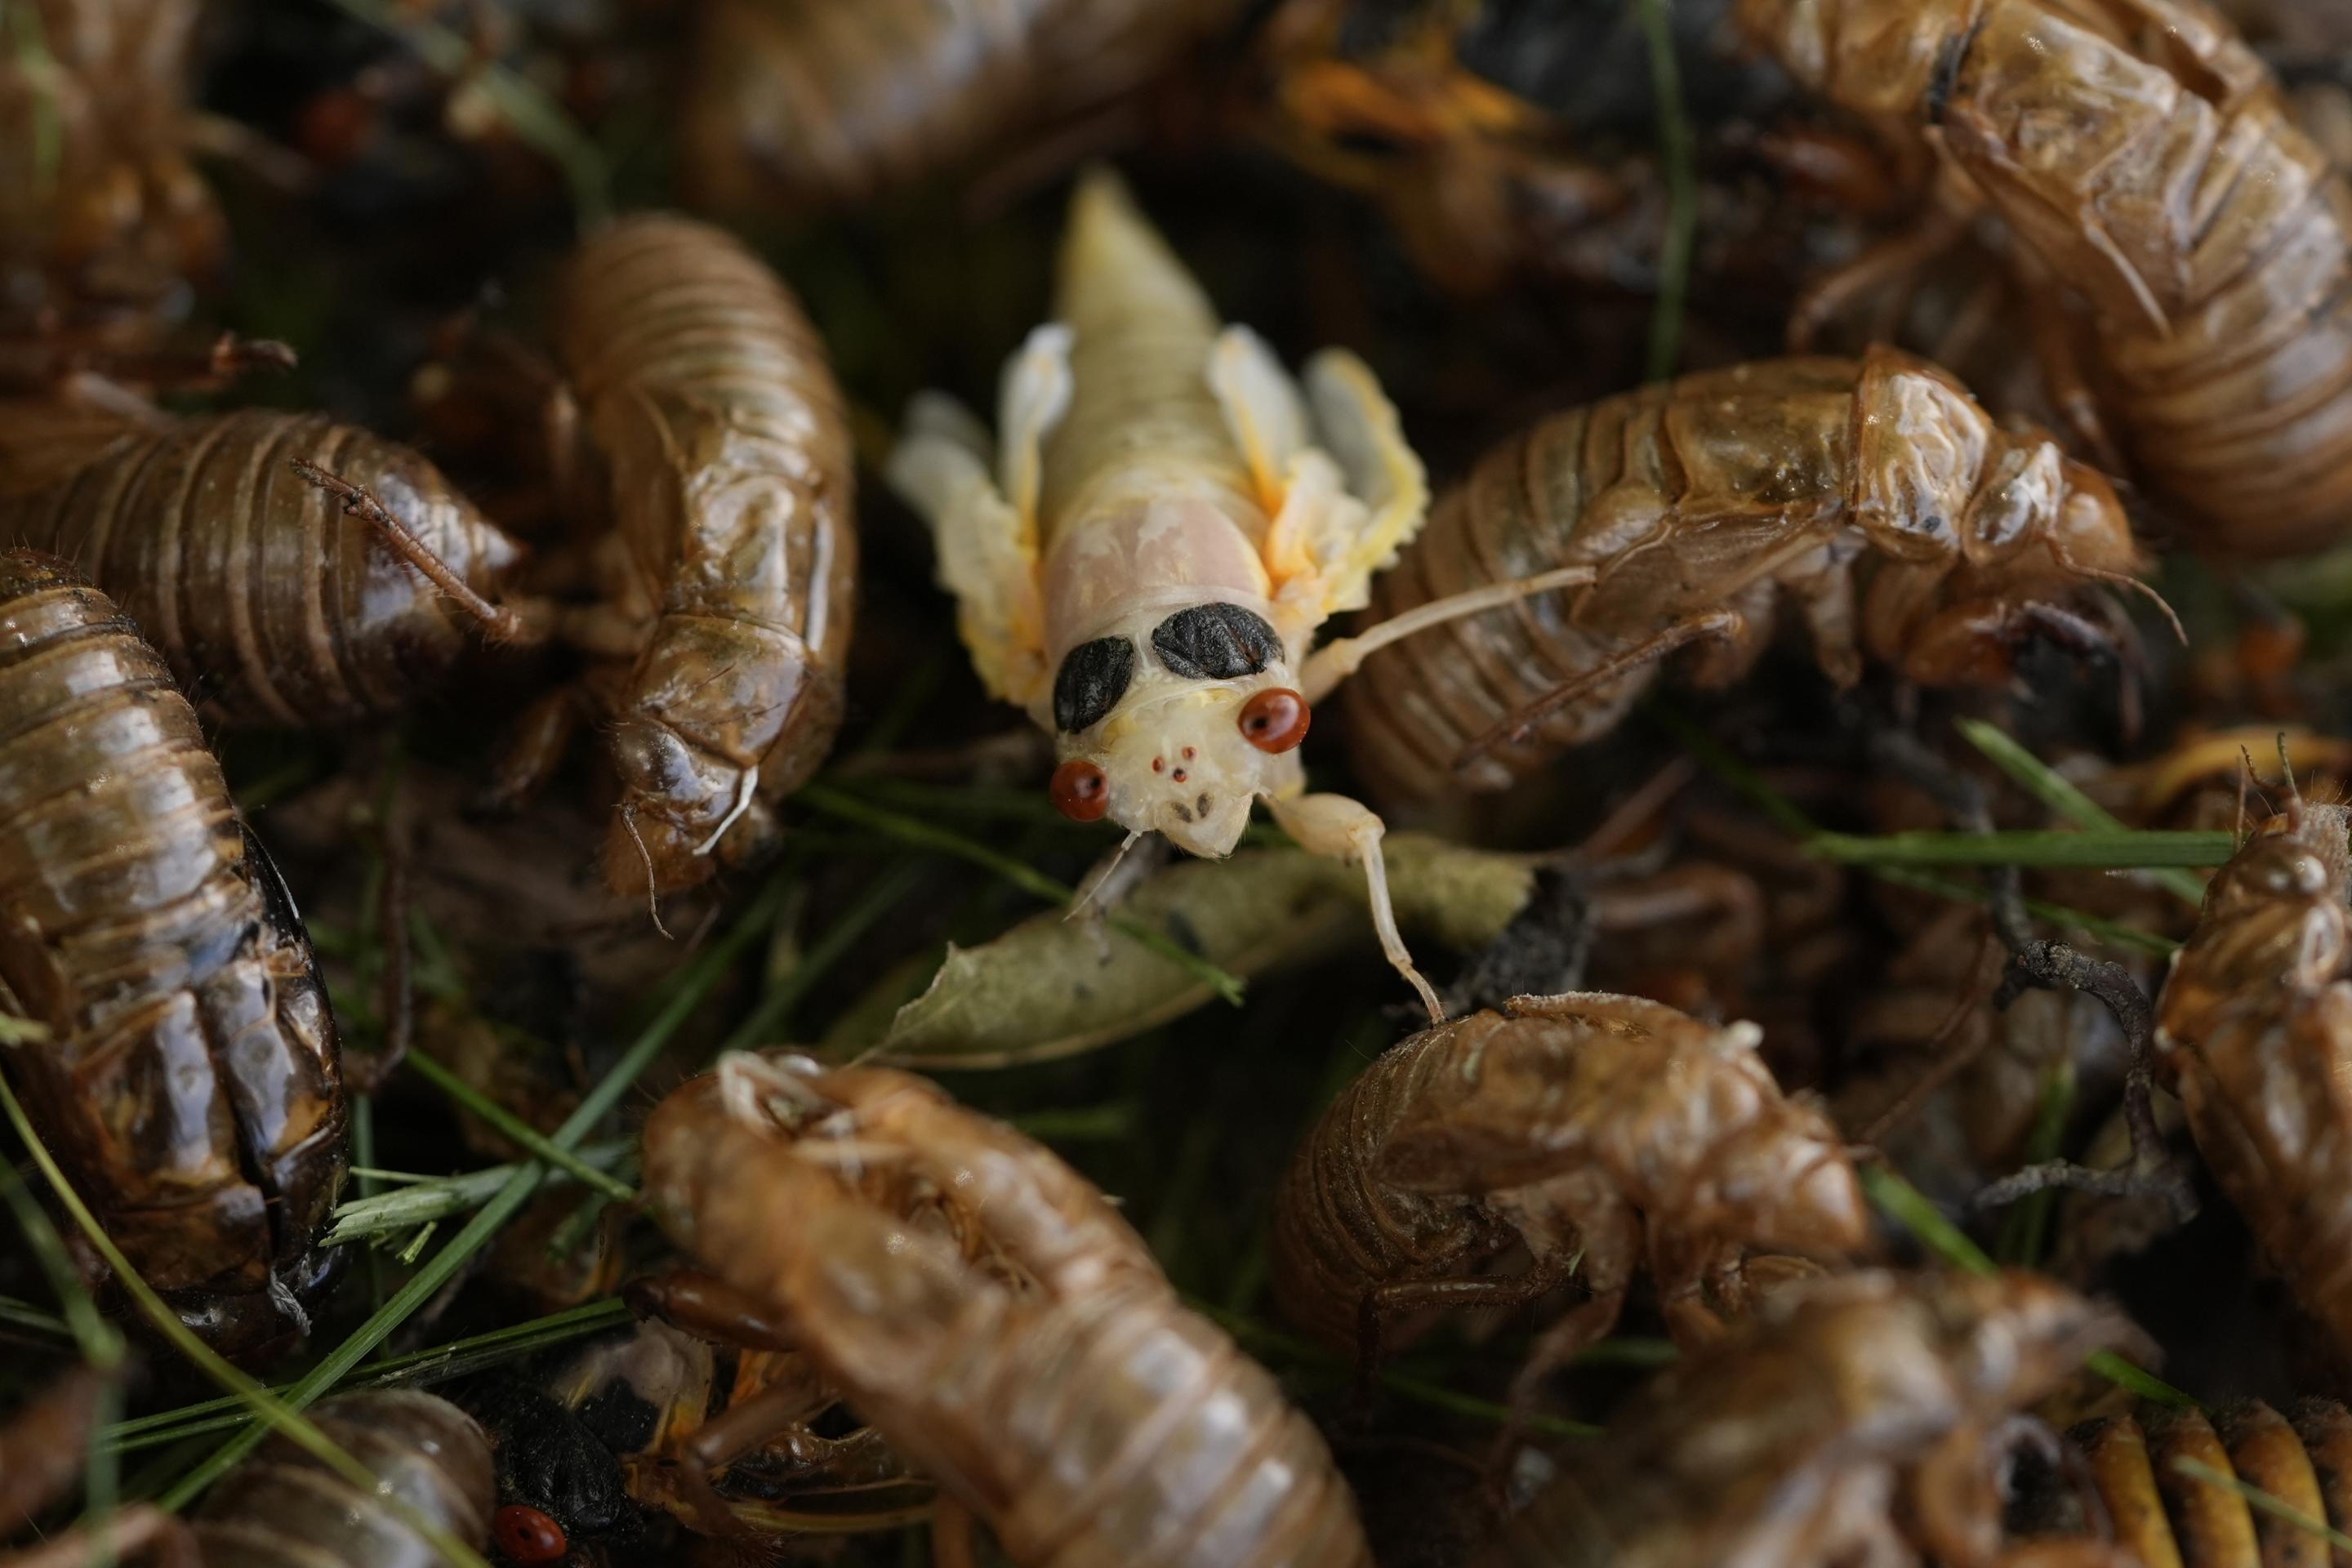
<point>526,1535</point>
<point>1275,719</point>
<point>1081,792</point>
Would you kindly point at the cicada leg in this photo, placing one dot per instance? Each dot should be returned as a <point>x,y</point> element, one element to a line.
<point>1345,830</point>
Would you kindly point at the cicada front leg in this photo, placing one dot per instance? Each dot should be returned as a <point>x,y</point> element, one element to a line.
<point>1345,830</point>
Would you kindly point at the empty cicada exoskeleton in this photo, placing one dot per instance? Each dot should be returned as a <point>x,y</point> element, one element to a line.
<point>2254,1034</point>
<point>1860,1418</point>
<point>810,104</point>
<point>282,1506</point>
<point>104,220</point>
<point>992,1315</point>
<point>728,602</point>
<point>2145,157</point>
<point>1493,1160</point>
<point>190,1083</point>
<point>276,601</point>
<point>1167,521</point>
<point>1905,525</point>
<point>2163,1513</point>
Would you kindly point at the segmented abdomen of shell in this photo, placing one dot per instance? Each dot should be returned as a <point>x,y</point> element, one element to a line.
<point>273,607</point>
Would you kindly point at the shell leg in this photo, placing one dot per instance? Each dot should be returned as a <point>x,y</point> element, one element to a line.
<point>708,1308</point>
<point>1345,830</point>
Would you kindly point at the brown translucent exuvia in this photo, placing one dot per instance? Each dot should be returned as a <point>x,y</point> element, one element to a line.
<point>2254,1034</point>
<point>271,604</point>
<point>284,1505</point>
<point>104,220</point>
<point>190,1083</point>
<point>993,1317</point>
<point>1857,1419</point>
<point>711,401</point>
<point>2144,155</point>
<point>1590,1132</point>
<point>1875,495</point>
<point>2167,1517</point>
<point>811,103</point>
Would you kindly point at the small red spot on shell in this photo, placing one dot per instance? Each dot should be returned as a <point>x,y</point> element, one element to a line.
<point>1159,765</point>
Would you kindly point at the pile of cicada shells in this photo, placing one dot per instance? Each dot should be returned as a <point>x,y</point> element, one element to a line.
<point>640,646</point>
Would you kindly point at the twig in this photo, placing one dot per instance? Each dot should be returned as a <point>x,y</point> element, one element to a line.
<point>2152,1171</point>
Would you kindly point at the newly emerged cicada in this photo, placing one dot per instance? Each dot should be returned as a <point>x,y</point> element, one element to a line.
<point>1167,521</point>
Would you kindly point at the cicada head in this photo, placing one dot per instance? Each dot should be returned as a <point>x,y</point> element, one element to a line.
<point>1176,724</point>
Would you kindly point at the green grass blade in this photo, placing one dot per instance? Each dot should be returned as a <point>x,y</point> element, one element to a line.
<point>2130,850</point>
<point>516,1129</point>
<point>1258,1337</point>
<point>2263,1502</point>
<point>427,1199</point>
<point>1784,812</point>
<point>2059,793</point>
<point>418,1369</point>
<point>1677,156</point>
<point>99,1341</point>
<point>1909,1207</point>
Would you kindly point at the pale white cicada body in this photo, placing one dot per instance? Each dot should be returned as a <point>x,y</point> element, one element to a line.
<point>1144,556</point>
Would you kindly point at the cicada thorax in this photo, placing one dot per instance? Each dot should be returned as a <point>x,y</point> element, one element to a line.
<point>190,1083</point>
